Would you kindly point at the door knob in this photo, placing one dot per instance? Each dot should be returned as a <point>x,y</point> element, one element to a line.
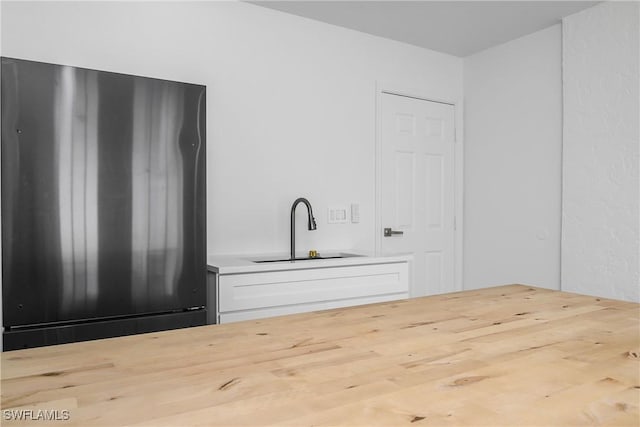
<point>389,232</point>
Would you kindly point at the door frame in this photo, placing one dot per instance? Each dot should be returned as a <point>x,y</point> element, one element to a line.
<point>458,162</point>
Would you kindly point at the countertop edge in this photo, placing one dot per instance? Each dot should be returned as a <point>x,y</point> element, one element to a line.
<point>238,264</point>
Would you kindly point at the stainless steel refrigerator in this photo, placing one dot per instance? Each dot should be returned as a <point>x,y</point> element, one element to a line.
<point>103,204</point>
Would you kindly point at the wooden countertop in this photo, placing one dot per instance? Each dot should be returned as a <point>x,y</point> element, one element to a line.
<point>511,355</point>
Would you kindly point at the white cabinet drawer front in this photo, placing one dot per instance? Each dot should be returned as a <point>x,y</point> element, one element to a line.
<point>262,313</point>
<point>272,289</point>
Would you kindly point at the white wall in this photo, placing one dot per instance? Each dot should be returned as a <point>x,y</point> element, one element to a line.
<point>601,180</point>
<point>291,102</point>
<point>513,147</point>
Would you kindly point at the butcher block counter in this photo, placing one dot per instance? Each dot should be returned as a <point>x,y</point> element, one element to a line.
<point>510,356</point>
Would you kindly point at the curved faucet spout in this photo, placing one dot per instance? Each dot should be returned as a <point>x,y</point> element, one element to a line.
<point>311,222</point>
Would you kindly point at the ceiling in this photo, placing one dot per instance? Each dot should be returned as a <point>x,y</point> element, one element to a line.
<point>459,28</point>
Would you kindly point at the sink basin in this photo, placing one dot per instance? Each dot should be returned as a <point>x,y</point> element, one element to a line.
<point>325,256</point>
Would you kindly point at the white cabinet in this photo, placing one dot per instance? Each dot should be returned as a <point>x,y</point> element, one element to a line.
<point>254,295</point>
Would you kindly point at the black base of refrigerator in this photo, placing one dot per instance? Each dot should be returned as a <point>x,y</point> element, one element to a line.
<point>15,339</point>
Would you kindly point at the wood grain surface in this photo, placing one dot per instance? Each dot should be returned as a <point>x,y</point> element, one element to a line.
<point>505,356</point>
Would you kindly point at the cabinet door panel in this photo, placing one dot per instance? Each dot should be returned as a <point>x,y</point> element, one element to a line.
<point>261,313</point>
<point>282,288</point>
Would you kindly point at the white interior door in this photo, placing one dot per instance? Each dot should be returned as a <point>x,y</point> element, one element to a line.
<point>417,188</point>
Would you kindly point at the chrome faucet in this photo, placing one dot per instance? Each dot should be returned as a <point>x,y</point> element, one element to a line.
<point>311,225</point>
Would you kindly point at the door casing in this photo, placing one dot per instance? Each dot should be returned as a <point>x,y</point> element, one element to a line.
<point>382,88</point>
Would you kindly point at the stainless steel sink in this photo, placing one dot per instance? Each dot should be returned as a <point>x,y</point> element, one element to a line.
<point>320,256</point>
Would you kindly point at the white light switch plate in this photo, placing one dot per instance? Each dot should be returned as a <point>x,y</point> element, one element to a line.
<point>355,213</point>
<point>337,215</point>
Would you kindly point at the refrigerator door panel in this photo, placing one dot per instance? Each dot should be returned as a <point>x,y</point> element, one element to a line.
<point>103,194</point>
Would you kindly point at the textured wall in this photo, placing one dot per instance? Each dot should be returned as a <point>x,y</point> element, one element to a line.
<point>600,221</point>
<point>513,152</point>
